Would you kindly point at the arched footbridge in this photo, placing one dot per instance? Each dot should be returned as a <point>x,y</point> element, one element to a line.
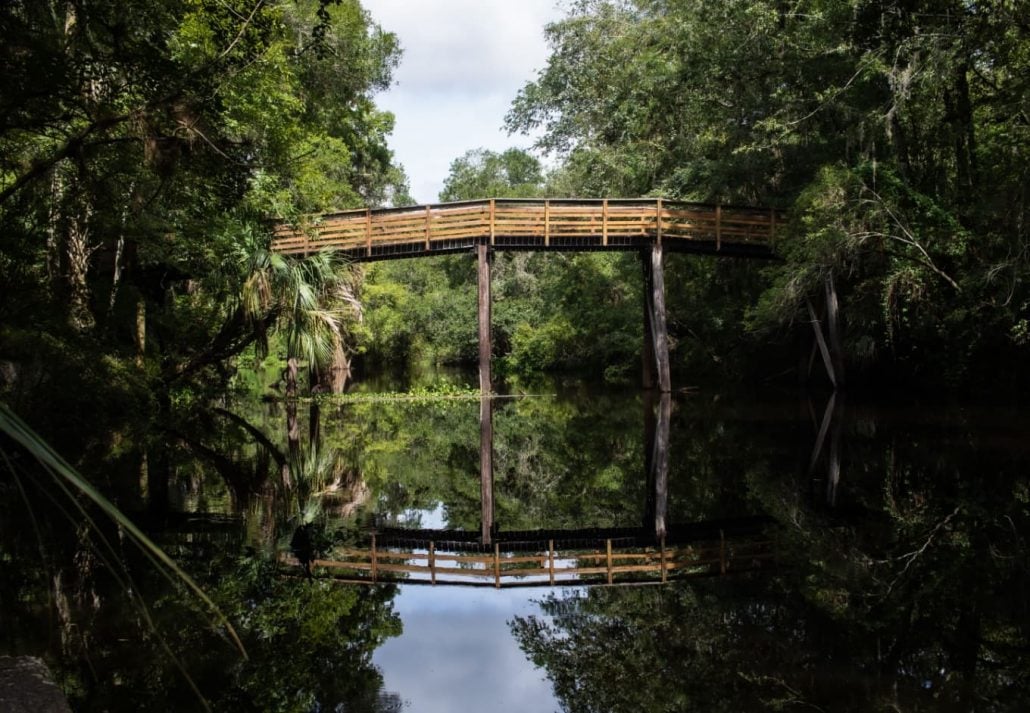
<point>551,224</point>
<point>651,226</point>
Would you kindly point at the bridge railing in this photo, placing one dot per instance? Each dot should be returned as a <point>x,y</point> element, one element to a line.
<point>551,567</point>
<point>540,223</point>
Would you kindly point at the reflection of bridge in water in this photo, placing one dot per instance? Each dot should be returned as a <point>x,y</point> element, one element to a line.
<point>552,557</point>
<point>649,226</point>
<point>654,553</point>
<point>492,557</point>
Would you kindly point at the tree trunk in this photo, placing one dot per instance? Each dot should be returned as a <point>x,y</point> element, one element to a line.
<point>292,424</point>
<point>78,253</point>
<point>141,330</point>
<point>339,370</point>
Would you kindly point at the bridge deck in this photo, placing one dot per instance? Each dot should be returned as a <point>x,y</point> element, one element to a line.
<point>552,224</point>
<point>552,557</point>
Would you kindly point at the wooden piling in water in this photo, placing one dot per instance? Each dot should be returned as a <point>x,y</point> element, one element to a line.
<point>654,293</point>
<point>485,389</point>
<point>647,353</point>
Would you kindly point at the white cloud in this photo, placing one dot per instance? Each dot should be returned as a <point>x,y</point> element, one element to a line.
<point>464,62</point>
<point>457,652</point>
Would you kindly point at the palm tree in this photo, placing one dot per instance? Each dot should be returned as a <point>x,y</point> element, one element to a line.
<point>301,298</point>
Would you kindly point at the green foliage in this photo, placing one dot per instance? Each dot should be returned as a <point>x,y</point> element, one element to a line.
<point>891,131</point>
<point>487,174</point>
<point>143,144</point>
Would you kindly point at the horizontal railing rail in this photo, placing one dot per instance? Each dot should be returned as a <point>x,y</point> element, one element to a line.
<point>556,223</point>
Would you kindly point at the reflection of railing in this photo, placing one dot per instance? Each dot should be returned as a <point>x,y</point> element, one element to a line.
<point>559,224</point>
<point>552,567</point>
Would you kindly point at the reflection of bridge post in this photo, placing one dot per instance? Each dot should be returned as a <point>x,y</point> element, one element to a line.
<point>656,337</point>
<point>486,472</point>
<point>656,444</point>
<point>486,427</point>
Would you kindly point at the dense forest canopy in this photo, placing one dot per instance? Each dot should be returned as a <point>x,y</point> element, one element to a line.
<point>895,133</point>
<point>144,146</point>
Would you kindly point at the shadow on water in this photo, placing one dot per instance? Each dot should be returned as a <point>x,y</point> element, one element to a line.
<point>896,576</point>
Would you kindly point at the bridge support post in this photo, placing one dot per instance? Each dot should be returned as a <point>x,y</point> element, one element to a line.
<point>656,445</point>
<point>656,336</point>
<point>486,473</point>
<point>486,425</point>
<point>648,360</point>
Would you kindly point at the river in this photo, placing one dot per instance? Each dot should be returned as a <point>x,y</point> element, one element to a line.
<point>817,552</point>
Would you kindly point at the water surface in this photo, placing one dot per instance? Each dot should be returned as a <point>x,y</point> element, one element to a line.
<point>899,582</point>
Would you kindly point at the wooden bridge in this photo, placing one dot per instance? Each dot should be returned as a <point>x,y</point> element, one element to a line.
<point>544,224</point>
<point>550,559</point>
<point>650,226</point>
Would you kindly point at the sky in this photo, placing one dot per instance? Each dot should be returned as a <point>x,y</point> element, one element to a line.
<point>464,62</point>
<point>457,652</point>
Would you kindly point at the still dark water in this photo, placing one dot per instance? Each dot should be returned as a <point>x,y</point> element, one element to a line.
<point>900,579</point>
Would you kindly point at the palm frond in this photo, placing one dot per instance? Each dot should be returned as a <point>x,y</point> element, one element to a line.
<point>66,476</point>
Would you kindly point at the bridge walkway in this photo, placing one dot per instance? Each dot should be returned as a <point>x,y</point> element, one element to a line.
<point>538,224</point>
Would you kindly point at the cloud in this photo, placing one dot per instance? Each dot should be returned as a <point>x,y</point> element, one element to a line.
<point>466,46</point>
<point>463,64</point>
<point>457,653</point>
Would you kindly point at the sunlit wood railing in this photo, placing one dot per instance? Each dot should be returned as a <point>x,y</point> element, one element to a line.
<point>535,224</point>
<point>604,565</point>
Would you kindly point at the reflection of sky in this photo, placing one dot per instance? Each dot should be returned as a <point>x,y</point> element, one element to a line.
<point>457,652</point>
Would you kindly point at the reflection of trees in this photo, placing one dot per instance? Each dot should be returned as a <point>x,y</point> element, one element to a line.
<point>910,595</point>
<point>310,645</point>
<point>567,459</point>
<point>121,638</point>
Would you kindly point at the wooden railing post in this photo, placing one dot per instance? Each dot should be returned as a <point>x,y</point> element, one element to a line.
<point>493,218</point>
<point>718,227</point>
<point>374,563</point>
<point>547,223</point>
<point>609,559</point>
<point>429,215</point>
<point>604,222</point>
<point>664,568</point>
<point>432,561</point>
<point>550,561</point>
<point>497,565</point>
<point>658,221</point>
<point>368,232</point>
<point>772,227</point>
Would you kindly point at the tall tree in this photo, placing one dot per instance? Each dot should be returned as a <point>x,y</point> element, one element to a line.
<point>894,131</point>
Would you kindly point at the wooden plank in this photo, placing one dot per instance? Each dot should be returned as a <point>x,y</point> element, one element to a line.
<point>718,227</point>
<point>550,561</point>
<point>374,558</point>
<point>368,232</point>
<point>609,546</point>
<point>658,217</point>
<point>497,565</point>
<point>540,220</point>
<point>665,569</point>
<point>547,223</point>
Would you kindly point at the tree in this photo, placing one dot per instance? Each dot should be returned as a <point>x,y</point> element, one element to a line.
<point>889,130</point>
<point>142,143</point>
